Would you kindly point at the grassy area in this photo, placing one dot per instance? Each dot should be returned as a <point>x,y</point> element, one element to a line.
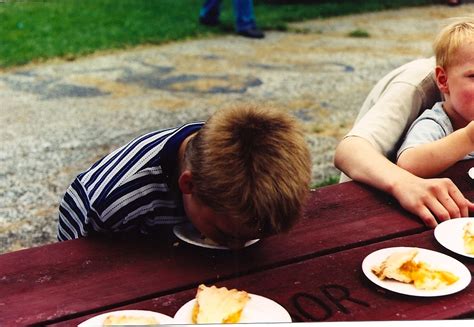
<point>37,30</point>
<point>334,179</point>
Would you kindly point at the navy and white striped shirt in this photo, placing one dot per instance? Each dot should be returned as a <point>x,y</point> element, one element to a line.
<point>132,188</point>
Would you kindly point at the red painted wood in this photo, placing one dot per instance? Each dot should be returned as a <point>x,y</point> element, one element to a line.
<point>75,277</point>
<point>333,288</point>
<point>458,174</point>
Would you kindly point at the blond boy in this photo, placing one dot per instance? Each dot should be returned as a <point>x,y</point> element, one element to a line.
<point>444,135</point>
<point>242,175</point>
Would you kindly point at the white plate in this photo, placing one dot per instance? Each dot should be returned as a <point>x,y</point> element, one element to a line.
<point>449,234</point>
<point>435,259</point>
<point>189,234</point>
<point>471,172</point>
<point>99,320</point>
<point>258,309</point>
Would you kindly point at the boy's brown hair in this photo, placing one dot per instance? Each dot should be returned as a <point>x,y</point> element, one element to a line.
<point>251,163</point>
<point>459,31</point>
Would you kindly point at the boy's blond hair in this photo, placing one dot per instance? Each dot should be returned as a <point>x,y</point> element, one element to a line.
<point>253,164</point>
<point>459,31</point>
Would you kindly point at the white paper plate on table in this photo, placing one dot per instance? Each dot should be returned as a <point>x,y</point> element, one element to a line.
<point>189,234</point>
<point>258,309</point>
<point>450,235</point>
<point>99,320</point>
<point>471,172</point>
<point>434,259</point>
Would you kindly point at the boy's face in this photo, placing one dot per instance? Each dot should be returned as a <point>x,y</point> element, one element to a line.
<point>460,83</point>
<point>219,228</point>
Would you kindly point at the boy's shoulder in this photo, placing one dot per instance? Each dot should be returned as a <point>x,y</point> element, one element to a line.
<point>436,115</point>
<point>435,112</point>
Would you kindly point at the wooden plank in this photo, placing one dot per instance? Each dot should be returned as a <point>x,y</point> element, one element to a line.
<point>459,175</point>
<point>333,288</point>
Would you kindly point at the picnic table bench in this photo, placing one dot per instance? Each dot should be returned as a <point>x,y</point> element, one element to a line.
<point>314,271</point>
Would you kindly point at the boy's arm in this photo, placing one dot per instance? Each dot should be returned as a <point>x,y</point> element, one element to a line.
<point>430,159</point>
<point>74,213</point>
<point>426,198</point>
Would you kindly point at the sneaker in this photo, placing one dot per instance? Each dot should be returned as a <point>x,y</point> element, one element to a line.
<point>253,33</point>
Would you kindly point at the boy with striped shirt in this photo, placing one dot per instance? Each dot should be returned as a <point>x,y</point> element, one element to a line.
<point>241,175</point>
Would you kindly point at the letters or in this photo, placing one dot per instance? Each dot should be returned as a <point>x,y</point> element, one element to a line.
<point>310,307</point>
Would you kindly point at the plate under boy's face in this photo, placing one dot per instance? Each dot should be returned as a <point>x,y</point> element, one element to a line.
<point>189,234</point>
<point>222,229</point>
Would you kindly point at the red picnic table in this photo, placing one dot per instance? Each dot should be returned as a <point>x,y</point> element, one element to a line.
<point>314,271</point>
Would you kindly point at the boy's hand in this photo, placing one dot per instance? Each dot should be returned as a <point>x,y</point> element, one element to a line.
<point>432,198</point>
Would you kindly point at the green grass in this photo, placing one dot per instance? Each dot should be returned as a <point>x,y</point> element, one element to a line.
<point>330,180</point>
<point>359,33</point>
<point>38,30</point>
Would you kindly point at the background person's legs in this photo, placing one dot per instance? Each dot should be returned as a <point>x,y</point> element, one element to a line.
<point>245,19</point>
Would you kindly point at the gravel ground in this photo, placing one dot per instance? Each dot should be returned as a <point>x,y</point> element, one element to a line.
<point>59,117</point>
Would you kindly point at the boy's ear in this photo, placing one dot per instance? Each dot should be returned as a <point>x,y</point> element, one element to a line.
<point>185,182</point>
<point>442,79</point>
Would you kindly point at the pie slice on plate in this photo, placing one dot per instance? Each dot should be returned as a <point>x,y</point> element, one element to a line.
<point>402,267</point>
<point>218,305</point>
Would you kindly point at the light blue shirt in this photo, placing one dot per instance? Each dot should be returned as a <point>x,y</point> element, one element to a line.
<point>431,125</point>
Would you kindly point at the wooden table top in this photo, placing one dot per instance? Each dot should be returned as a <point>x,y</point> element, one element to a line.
<point>314,271</point>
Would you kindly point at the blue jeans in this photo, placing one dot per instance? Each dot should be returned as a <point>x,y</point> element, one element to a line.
<point>243,12</point>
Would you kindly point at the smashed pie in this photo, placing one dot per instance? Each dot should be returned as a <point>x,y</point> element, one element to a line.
<point>402,267</point>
